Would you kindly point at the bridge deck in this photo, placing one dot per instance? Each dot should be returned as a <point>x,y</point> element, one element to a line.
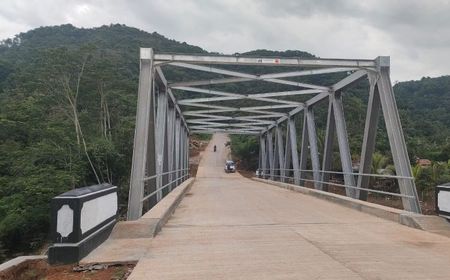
<point>230,227</point>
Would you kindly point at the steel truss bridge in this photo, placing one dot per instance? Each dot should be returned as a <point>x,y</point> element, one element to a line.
<point>169,111</point>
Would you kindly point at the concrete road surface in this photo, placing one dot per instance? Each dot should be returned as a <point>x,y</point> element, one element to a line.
<point>230,227</point>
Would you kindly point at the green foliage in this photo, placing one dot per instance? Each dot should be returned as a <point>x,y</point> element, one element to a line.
<point>201,136</point>
<point>379,162</point>
<point>246,149</point>
<point>427,178</point>
<point>61,87</point>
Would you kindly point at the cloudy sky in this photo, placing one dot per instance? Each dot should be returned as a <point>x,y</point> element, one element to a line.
<point>415,33</point>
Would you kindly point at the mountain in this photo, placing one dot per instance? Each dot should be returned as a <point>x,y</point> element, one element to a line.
<point>67,109</point>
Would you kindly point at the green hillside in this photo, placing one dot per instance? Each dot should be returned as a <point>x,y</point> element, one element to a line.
<point>67,108</point>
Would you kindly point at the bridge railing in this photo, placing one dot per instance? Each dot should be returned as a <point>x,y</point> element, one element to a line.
<point>269,174</point>
<point>184,175</point>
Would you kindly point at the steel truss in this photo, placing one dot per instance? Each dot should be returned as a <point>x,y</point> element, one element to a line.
<point>162,128</point>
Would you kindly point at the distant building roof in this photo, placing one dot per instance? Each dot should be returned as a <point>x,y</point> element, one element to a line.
<point>423,162</point>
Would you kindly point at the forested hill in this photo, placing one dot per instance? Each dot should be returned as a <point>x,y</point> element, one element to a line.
<point>67,108</point>
<point>425,111</point>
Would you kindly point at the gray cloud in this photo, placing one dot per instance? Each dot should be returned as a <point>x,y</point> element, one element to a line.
<point>415,33</point>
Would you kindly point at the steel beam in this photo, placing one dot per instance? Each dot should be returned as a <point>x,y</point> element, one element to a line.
<point>186,167</point>
<point>229,131</point>
<point>141,136</point>
<point>160,139</point>
<point>355,76</point>
<point>171,145</point>
<point>397,140</point>
<point>314,152</point>
<point>280,150</point>
<point>304,149</point>
<point>240,119</point>
<point>226,96</point>
<point>369,138</point>
<point>207,113</point>
<point>169,92</point>
<point>264,77</point>
<point>344,149</point>
<point>177,148</point>
<point>261,157</point>
<point>245,75</point>
<point>264,61</point>
<point>271,155</point>
<point>293,150</point>
<point>327,160</point>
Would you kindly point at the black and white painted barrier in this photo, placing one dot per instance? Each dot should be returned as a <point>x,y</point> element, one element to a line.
<point>443,200</point>
<point>81,220</point>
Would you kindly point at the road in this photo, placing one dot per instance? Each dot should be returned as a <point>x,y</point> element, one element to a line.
<point>230,227</point>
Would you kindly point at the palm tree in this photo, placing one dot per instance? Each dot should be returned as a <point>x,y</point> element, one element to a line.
<point>437,169</point>
<point>379,161</point>
<point>417,171</point>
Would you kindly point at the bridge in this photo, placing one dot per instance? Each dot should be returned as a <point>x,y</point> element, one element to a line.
<point>225,226</point>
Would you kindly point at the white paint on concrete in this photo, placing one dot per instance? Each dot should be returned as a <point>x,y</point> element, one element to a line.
<point>444,201</point>
<point>64,222</point>
<point>97,210</point>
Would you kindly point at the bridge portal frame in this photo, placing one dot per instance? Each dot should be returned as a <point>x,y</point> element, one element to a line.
<point>278,150</point>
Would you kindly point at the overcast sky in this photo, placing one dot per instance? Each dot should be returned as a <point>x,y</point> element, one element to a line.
<point>415,33</point>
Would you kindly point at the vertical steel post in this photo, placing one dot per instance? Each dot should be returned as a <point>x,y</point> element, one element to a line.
<point>262,154</point>
<point>304,148</point>
<point>177,149</point>
<point>165,177</point>
<point>369,139</point>
<point>161,115</point>
<point>271,157</point>
<point>280,150</point>
<point>314,152</point>
<point>293,149</point>
<point>267,158</point>
<point>182,152</point>
<point>187,153</point>
<point>287,152</point>
<point>327,160</point>
<point>141,135</point>
<point>396,138</point>
<point>171,146</point>
<point>275,156</point>
<point>344,149</point>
